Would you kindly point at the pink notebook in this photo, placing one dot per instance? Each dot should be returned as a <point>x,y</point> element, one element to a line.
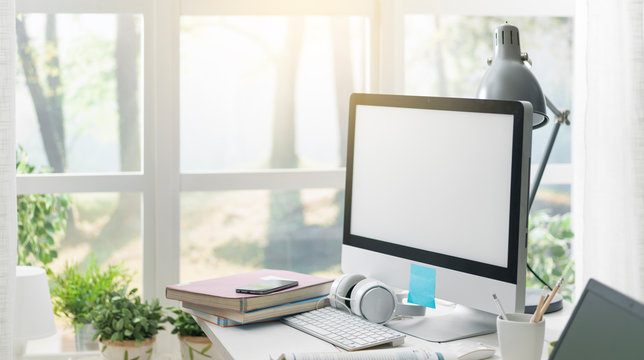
<point>220,292</point>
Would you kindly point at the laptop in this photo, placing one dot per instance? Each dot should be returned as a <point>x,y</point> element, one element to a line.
<point>605,324</point>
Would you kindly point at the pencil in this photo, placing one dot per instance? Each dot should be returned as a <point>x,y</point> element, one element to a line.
<point>548,301</point>
<point>542,299</point>
<point>536,311</point>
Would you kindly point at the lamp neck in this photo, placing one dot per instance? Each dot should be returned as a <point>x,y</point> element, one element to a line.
<point>19,347</point>
<point>506,43</point>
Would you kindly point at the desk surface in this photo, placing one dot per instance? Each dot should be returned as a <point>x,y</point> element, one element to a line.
<point>262,341</point>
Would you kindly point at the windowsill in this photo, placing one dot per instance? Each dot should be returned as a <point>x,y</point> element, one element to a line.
<point>57,347</point>
<point>82,355</point>
<point>91,355</point>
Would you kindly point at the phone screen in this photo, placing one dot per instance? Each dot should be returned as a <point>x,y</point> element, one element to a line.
<point>266,286</point>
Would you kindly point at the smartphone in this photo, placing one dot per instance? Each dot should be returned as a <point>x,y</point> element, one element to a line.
<point>266,286</point>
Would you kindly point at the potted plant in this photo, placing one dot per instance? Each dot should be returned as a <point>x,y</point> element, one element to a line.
<point>75,293</point>
<point>126,326</point>
<point>194,343</point>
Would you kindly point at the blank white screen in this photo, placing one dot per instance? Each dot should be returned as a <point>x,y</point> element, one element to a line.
<point>433,180</point>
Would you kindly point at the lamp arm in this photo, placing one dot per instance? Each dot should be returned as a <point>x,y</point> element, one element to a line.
<point>561,117</point>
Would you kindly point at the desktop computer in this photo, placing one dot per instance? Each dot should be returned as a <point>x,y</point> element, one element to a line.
<point>440,183</point>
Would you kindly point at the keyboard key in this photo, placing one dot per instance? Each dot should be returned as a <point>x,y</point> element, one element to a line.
<point>317,330</point>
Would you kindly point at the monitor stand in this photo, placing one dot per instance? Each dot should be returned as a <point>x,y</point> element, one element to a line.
<point>461,323</point>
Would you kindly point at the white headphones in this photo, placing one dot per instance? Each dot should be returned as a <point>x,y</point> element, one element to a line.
<point>369,298</point>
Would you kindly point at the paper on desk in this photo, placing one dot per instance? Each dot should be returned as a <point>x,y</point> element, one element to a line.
<point>385,354</point>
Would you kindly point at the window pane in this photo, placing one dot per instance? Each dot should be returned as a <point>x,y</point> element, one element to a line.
<point>446,56</point>
<point>553,199</point>
<point>107,225</point>
<point>78,108</point>
<point>268,91</point>
<point>550,239</point>
<point>229,232</point>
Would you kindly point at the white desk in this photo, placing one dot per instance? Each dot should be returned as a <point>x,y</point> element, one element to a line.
<point>260,341</point>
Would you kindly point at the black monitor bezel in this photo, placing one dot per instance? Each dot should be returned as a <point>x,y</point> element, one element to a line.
<point>506,274</point>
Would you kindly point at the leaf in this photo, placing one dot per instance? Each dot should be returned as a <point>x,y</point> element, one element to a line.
<point>205,350</point>
<point>557,251</point>
<point>50,228</point>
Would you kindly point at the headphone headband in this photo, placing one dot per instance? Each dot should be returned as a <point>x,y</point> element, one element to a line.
<point>370,299</point>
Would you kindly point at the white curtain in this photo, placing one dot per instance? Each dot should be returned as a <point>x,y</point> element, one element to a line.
<point>608,144</point>
<point>8,226</point>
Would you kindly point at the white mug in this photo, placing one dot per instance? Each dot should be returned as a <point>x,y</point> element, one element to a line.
<point>520,339</point>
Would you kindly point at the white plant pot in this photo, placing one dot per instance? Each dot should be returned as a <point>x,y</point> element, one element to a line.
<point>196,348</point>
<point>83,334</point>
<point>127,350</point>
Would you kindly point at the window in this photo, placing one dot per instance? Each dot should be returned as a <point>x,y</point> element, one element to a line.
<point>79,91</point>
<point>79,124</point>
<point>266,92</point>
<point>216,130</point>
<point>227,232</point>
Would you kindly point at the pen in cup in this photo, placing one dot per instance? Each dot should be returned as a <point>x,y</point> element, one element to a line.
<point>498,306</point>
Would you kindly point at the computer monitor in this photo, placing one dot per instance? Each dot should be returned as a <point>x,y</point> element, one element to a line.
<point>441,183</point>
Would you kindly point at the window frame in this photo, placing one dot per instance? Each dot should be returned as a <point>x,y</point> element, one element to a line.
<point>161,181</point>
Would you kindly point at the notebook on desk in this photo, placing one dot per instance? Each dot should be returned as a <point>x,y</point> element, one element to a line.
<point>220,292</point>
<point>604,325</point>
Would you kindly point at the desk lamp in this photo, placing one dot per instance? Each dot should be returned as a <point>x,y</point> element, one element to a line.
<point>33,315</point>
<point>509,78</point>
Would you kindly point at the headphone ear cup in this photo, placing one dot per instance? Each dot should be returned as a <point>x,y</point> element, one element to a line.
<point>374,301</point>
<point>343,287</point>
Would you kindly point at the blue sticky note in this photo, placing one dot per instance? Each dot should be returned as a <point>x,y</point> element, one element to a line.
<point>422,286</point>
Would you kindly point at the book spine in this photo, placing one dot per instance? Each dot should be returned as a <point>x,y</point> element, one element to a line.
<point>213,319</point>
<point>250,304</point>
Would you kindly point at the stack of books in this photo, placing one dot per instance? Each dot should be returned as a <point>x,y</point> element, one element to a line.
<point>216,301</point>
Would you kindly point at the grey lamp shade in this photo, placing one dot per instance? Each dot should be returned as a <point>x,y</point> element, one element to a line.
<point>509,79</point>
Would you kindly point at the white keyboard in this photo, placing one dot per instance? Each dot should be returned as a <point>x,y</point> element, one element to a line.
<point>344,330</point>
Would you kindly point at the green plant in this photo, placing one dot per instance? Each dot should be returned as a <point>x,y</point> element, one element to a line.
<point>41,218</point>
<point>75,293</point>
<point>123,316</point>
<point>184,324</point>
<point>549,245</point>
